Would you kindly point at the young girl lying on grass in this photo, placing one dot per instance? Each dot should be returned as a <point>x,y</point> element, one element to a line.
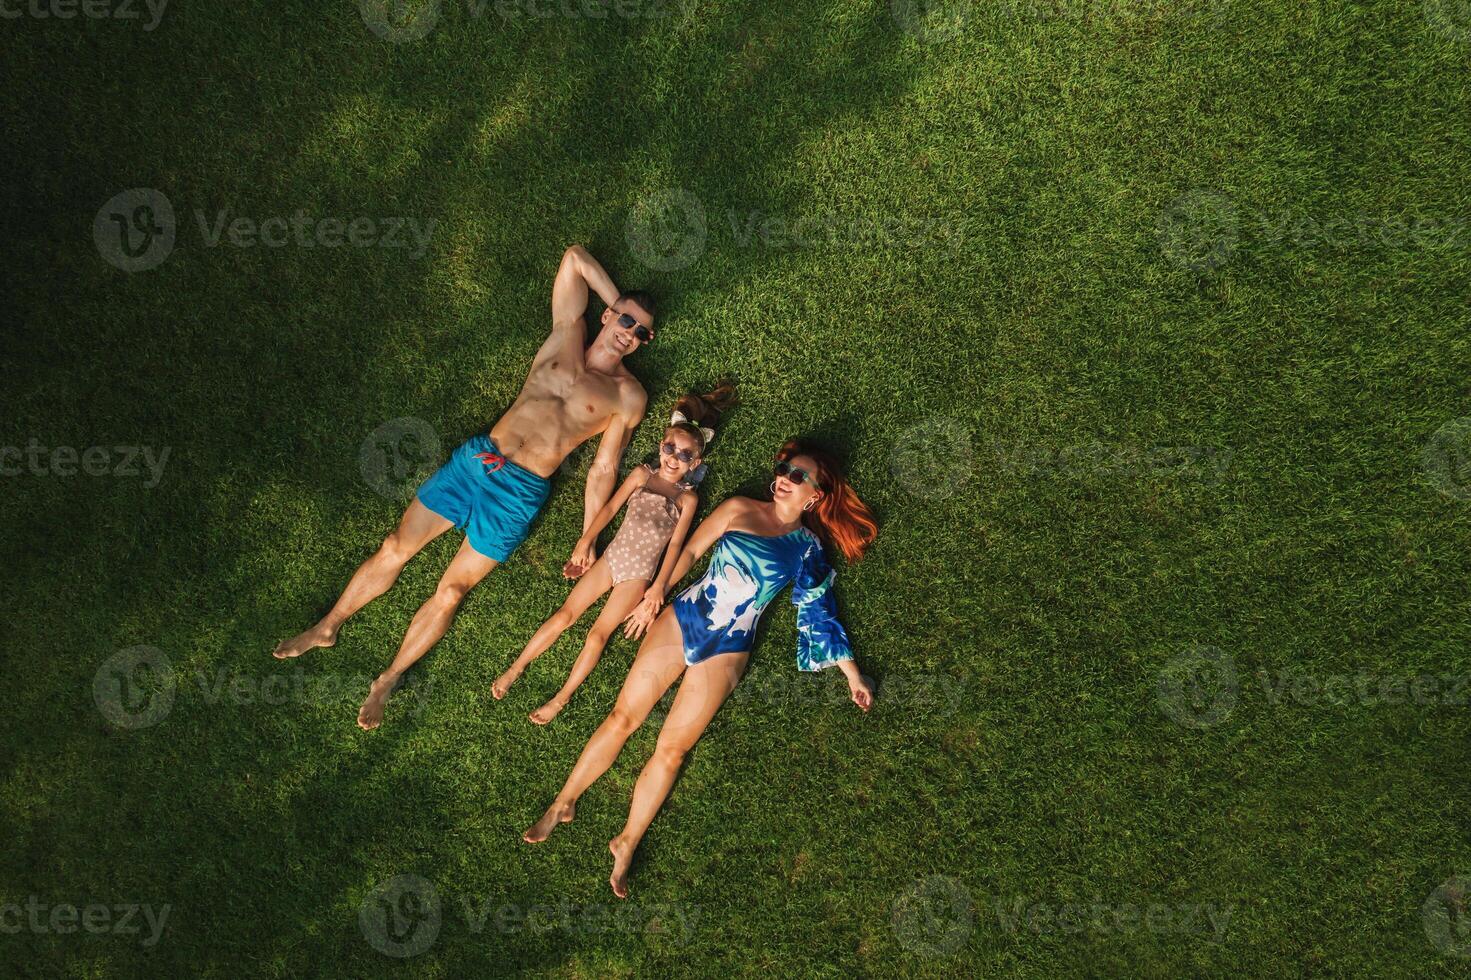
<point>661,506</point>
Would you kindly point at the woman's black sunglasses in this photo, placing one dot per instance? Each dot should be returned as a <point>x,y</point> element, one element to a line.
<point>683,455</point>
<point>796,474</point>
<point>643,333</point>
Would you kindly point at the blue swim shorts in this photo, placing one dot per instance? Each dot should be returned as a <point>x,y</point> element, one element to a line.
<point>487,496</point>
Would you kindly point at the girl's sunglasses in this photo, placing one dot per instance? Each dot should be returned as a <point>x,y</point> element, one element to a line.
<point>796,474</point>
<point>683,455</point>
<point>643,333</point>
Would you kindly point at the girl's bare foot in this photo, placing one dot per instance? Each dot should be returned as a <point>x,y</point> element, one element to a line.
<point>542,829</point>
<point>370,715</point>
<point>622,858</point>
<point>548,711</point>
<point>302,642</point>
<point>503,683</point>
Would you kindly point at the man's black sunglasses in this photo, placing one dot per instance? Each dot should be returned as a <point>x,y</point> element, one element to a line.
<point>643,333</point>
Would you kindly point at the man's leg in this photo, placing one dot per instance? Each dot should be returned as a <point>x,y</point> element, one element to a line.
<point>428,625</point>
<point>419,526</point>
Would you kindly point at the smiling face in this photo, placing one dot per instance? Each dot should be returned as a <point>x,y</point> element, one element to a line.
<point>801,494</point>
<point>671,467</point>
<point>620,339</point>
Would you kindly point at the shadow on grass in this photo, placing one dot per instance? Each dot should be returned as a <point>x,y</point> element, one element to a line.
<point>316,349</point>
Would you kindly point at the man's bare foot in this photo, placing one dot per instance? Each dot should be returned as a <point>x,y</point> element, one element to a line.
<point>302,642</point>
<point>622,858</point>
<point>542,829</point>
<point>370,715</point>
<point>547,711</point>
<point>503,683</point>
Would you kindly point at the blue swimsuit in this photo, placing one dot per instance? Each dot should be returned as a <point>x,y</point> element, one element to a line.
<point>718,613</point>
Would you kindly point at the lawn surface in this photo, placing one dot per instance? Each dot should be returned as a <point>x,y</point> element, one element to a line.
<point>1142,326</point>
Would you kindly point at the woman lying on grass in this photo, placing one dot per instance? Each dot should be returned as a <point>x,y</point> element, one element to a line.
<point>706,632</point>
<point>661,506</point>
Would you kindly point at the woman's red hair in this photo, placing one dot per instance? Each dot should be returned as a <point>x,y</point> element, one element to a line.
<point>840,518</point>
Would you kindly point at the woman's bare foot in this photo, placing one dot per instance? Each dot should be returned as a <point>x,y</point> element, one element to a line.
<point>548,711</point>
<point>503,683</point>
<point>622,858</point>
<point>542,829</point>
<point>315,637</point>
<point>370,715</point>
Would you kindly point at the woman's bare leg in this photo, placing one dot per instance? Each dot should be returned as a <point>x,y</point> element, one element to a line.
<point>659,663</point>
<point>703,690</point>
<point>418,527</point>
<point>589,589</point>
<point>626,595</point>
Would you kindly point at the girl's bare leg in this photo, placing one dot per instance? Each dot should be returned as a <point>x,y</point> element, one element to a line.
<point>626,595</point>
<point>704,689</point>
<point>589,588</point>
<point>418,527</point>
<point>659,663</point>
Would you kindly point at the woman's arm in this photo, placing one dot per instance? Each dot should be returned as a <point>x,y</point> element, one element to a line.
<point>705,536</point>
<point>857,687</point>
<point>582,552</point>
<point>821,639</point>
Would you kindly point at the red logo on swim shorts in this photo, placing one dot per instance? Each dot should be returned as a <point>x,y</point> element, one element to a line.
<point>492,461</point>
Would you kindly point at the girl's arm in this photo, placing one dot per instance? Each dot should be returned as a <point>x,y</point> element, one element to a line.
<point>582,553</point>
<point>689,501</point>
<point>705,536</point>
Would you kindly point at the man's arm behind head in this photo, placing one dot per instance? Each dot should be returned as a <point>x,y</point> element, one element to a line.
<point>578,273</point>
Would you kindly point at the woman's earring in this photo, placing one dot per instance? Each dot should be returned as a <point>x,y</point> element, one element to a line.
<point>773,488</point>
<point>810,504</point>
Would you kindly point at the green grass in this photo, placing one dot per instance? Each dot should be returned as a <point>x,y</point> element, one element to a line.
<point>1102,425</point>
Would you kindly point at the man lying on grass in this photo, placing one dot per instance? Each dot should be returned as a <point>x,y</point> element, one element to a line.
<point>494,485</point>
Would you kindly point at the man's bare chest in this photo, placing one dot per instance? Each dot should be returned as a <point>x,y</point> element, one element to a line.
<point>583,395</point>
